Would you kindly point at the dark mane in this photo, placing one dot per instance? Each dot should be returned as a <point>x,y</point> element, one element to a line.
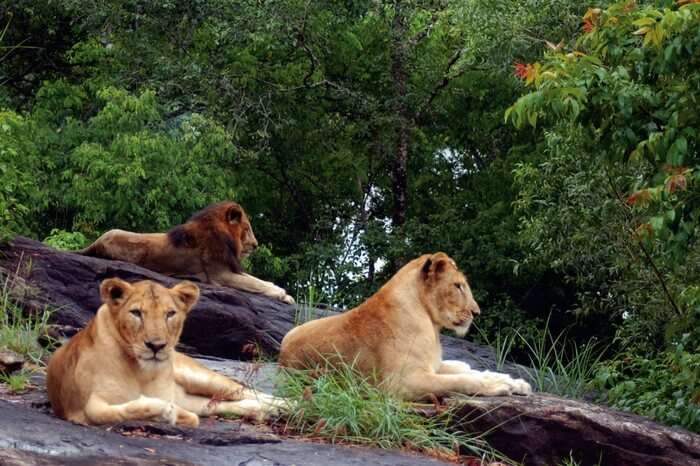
<point>212,212</point>
<point>207,230</point>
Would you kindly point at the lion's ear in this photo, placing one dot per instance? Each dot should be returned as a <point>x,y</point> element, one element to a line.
<point>234,214</point>
<point>114,292</point>
<point>435,265</point>
<point>187,292</point>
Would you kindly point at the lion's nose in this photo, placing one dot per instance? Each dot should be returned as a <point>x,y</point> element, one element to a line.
<point>475,309</point>
<point>154,346</point>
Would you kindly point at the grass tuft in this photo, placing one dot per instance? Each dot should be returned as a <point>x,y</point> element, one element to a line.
<point>17,382</point>
<point>20,331</point>
<point>560,366</point>
<point>556,365</point>
<point>338,404</point>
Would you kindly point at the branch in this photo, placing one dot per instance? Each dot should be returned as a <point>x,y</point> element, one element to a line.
<point>447,77</point>
<point>647,255</point>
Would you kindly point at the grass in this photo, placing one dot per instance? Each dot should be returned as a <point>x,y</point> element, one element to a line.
<point>306,306</point>
<point>340,405</point>
<point>571,461</point>
<point>502,346</point>
<point>20,332</point>
<point>560,366</point>
<point>556,365</point>
<point>17,382</point>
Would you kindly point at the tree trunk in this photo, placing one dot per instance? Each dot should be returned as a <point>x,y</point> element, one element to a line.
<point>400,77</point>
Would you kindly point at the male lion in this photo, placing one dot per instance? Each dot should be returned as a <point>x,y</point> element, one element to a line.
<point>123,366</point>
<point>209,246</point>
<point>395,335</point>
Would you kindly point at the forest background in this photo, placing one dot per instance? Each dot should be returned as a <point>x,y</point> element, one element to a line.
<point>549,146</point>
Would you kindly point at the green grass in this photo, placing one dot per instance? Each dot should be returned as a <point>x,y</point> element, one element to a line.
<point>306,306</point>
<point>560,366</point>
<point>20,331</point>
<point>556,365</point>
<point>17,382</point>
<point>502,345</point>
<point>340,405</point>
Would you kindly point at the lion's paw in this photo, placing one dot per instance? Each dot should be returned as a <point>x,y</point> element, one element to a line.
<point>187,418</point>
<point>169,413</point>
<point>274,406</point>
<point>497,389</point>
<point>287,299</point>
<point>521,387</point>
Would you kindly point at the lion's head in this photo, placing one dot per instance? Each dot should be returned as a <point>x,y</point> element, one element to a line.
<point>222,228</point>
<point>446,293</point>
<point>148,318</point>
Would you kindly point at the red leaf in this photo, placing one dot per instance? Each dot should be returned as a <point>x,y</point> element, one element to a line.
<point>676,182</point>
<point>640,197</point>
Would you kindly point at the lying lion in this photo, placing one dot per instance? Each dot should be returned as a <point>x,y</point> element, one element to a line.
<point>395,335</point>
<point>123,365</point>
<point>209,246</point>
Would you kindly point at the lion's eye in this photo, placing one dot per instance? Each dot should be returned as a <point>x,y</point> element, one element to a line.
<point>170,314</point>
<point>459,286</point>
<point>136,313</point>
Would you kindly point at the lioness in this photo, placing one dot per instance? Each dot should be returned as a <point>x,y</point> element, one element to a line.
<point>395,335</point>
<point>123,366</point>
<point>209,245</point>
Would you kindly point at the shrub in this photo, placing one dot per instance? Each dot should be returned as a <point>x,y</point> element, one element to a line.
<point>664,387</point>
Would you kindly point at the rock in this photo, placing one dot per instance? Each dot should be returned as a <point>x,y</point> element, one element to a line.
<point>544,429</point>
<point>31,437</point>
<point>226,322</point>
<point>10,361</point>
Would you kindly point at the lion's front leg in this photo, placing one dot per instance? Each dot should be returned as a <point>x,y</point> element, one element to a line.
<point>453,367</point>
<point>258,408</point>
<point>246,282</point>
<point>144,408</point>
<point>518,386</point>
<point>196,379</point>
<point>421,384</point>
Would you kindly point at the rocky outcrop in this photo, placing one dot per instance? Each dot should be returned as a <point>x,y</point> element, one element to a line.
<point>31,437</point>
<point>537,430</point>
<point>544,429</point>
<point>224,323</point>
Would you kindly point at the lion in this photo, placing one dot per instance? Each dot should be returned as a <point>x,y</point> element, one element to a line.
<point>123,365</point>
<point>209,246</point>
<point>393,337</point>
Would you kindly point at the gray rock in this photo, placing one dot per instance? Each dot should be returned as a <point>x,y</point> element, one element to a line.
<point>543,430</point>
<point>31,437</point>
<point>10,361</point>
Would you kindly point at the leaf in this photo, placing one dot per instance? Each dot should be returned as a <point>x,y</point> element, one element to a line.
<point>657,223</point>
<point>532,118</point>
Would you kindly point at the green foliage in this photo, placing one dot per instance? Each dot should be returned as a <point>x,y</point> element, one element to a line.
<point>663,387</point>
<point>632,91</point>
<point>341,405</point>
<point>122,165</point>
<point>66,240</point>
<point>622,135</point>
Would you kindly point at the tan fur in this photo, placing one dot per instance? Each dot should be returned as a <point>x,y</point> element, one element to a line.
<point>394,335</point>
<point>209,246</point>
<point>108,373</point>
